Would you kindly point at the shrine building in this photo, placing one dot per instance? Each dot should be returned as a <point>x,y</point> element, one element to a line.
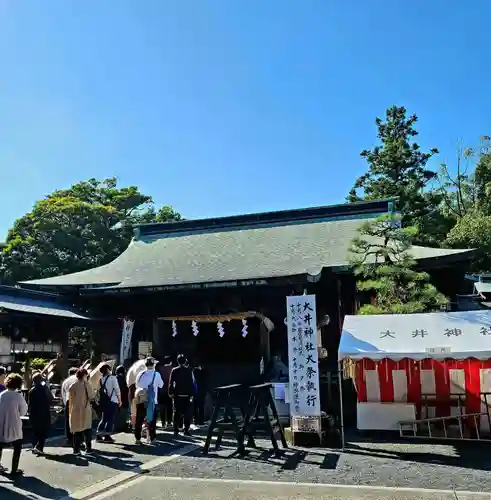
<point>191,286</point>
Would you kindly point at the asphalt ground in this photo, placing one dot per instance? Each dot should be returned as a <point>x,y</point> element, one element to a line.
<point>311,473</point>
<point>153,488</point>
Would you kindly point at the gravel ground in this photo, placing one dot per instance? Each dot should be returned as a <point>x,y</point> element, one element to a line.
<point>465,468</point>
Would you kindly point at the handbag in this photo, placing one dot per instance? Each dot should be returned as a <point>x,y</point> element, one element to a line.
<point>141,394</point>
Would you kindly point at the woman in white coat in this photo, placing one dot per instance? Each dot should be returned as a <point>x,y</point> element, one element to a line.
<point>13,407</point>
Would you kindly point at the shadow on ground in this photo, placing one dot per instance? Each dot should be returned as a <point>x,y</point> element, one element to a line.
<point>30,486</point>
<point>467,455</point>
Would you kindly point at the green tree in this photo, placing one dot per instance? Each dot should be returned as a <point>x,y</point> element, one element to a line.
<point>81,343</point>
<point>74,229</point>
<point>397,169</point>
<point>387,272</point>
<point>473,230</point>
<point>467,186</point>
<point>466,201</point>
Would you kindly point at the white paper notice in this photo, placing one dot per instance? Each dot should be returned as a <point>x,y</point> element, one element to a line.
<point>279,391</point>
<point>303,356</point>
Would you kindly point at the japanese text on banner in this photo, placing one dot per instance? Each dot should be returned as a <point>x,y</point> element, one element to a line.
<point>126,336</point>
<point>303,356</point>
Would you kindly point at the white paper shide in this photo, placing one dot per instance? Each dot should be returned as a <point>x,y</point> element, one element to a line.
<point>303,356</point>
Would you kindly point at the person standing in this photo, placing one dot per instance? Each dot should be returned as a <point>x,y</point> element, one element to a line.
<point>199,399</point>
<point>181,390</point>
<point>13,407</point>
<point>39,403</point>
<point>165,402</point>
<point>109,402</point>
<point>3,374</point>
<point>131,376</point>
<point>65,387</point>
<point>80,399</point>
<point>148,384</point>
<point>124,409</point>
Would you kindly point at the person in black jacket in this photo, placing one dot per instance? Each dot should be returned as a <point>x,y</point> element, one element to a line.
<point>181,390</point>
<point>39,404</point>
<point>122,418</point>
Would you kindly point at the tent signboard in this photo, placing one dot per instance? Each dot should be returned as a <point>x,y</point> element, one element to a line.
<point>457,335</point>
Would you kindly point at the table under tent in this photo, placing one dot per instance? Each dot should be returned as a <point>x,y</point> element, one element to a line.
<point>422,375</point>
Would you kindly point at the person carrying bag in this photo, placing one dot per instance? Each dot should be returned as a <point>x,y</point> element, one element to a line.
<point>148,384</point>
<point>109,402</point>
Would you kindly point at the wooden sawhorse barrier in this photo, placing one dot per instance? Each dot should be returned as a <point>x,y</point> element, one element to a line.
<point>224,416</point>
<point>257,417</point>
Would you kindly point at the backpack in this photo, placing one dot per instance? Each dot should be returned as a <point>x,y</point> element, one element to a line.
<point>144,395</point>
<point>104,397</point>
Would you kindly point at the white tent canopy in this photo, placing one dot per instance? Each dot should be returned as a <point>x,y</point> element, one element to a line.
<point>441,335</point>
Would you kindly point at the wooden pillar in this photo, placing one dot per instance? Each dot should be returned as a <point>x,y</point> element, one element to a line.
<point>264,343</point>
<point>157,340</point>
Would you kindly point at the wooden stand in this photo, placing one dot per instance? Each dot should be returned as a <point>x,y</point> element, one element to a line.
<point>257,417</point>
<point>224,417</point>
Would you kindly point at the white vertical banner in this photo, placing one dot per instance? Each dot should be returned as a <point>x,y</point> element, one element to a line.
<point>126,336</point>
<point>303,358</point>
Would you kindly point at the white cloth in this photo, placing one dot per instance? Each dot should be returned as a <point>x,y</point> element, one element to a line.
<point>13,406</point>
<point>65,387</point>
<point>145,379</point>
<point>111,387</point>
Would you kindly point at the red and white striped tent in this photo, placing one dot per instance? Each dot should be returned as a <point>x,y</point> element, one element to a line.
<point>399,357</point>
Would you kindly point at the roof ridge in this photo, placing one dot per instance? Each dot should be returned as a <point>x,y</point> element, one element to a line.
<point>362,208</point>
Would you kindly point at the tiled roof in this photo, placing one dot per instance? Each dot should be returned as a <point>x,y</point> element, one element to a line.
<point>12,299</point>
<point>233,249</point>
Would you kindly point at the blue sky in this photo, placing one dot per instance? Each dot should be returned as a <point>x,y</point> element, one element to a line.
<point>228,106</point>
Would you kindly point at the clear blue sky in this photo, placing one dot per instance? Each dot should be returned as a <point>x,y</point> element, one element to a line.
<point>227,106</point>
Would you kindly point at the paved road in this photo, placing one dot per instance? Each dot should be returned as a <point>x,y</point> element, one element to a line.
<point>60,474</point>
<point>155,488</point>
<point>355,473</point>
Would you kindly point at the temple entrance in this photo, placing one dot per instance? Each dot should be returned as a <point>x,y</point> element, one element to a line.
<point>228,348</point>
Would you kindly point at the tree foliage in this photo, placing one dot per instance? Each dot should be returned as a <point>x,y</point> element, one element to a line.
<point>74,229</point>
<point>466,201</point>
<point>397,169</point>
<point>81,343</point>
<point>388,273</point>
<point>466,187</point>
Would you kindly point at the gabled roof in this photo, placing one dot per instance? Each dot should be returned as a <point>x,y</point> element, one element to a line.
<point>240,248</point>
<point>33,302</point>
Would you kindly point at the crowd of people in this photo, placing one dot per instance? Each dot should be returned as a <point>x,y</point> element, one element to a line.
<point>123,401</point>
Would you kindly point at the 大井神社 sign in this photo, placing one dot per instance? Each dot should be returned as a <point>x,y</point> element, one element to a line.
<point>303,356</point>
<point>458,335</point>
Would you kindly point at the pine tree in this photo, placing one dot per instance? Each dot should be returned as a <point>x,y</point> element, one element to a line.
<point>386,270</point>
<point>397,169</point>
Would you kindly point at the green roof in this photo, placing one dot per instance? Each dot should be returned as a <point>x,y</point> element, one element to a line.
<point>285,244</point>
<point>31,302</point>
